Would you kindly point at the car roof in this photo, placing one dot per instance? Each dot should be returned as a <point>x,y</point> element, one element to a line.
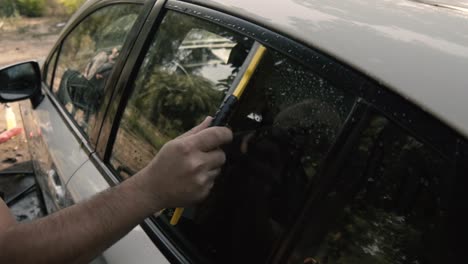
<point>417,49</point>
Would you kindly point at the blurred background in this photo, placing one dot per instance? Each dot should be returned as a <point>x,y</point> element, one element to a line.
<point>28,30</point>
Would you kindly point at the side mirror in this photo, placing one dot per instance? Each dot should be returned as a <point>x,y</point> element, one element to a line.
<point>20,81</point>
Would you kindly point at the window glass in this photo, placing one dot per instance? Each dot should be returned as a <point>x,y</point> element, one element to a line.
<point>184,77</point>
<point>50,70</point>
<point>285,123</point>
<point>389,204</point>
<point>87,58</point>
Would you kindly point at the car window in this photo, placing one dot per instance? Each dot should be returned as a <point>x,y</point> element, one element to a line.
<point>389,204</point>
<point>184,77</point>
<point>86,60</point>
<point>286,122</point>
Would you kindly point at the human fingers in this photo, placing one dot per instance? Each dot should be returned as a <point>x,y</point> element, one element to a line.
<point>211,138</point>
<point>202,185</point>
<point>204,124</point>
<point>214,159</point>
<point>212,174</point>
<point>209,181</point>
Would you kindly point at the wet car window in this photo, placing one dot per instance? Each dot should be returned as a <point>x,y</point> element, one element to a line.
<point>389,204</point>
<point>287,120</point>
<point>87,58</point>
<point>184,77</point>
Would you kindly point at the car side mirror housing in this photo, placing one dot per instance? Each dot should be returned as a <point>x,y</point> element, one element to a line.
<point>21,81</point>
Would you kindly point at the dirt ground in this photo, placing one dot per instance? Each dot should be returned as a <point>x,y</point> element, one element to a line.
<point>22,39</point>
<point>27,38</point>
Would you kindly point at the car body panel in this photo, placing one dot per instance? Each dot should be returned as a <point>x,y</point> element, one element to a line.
<point>415,49</point>
<point>53,148</point>
<point>136,246</point>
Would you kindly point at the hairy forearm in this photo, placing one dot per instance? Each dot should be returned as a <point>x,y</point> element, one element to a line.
<point>78,233</point>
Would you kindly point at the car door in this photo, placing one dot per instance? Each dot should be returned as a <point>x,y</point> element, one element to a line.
<point>75,77</point>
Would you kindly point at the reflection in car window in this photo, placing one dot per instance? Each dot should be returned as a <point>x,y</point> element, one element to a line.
<point>87,58</point>
<point>388,205</point>
<point>184,77</point>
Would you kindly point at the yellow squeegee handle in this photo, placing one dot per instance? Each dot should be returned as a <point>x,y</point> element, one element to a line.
<point>177,215</point>
<point>228,105</point>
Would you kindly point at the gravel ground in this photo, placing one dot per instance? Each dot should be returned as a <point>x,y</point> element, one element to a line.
<point>20,40</point>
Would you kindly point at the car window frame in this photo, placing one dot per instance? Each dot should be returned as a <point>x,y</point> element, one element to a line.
<point>371,94</point>
<point>89,142</point>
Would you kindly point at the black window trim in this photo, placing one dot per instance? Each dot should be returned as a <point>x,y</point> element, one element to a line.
<point>111,117</point>
<point>88,142</point>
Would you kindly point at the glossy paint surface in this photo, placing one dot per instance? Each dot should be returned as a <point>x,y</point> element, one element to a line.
<point>54,151</point>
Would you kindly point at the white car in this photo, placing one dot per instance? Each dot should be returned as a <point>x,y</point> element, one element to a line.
<point>350,138</point>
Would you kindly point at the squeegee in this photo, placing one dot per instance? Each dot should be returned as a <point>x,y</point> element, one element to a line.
<point>234,95</point>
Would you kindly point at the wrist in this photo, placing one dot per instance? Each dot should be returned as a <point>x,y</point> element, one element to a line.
<point>142,196</point>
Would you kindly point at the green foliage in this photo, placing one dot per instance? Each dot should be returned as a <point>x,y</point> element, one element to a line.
<point>71,5</point>
<point>145,130</point>
<point>168,105</point>
<point>36,8</point>
<point>177,102</point>
<point>31,8</point>
<point>8,8</point>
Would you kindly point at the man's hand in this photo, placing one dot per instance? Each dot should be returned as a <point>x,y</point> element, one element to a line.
<point>184,170</point>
